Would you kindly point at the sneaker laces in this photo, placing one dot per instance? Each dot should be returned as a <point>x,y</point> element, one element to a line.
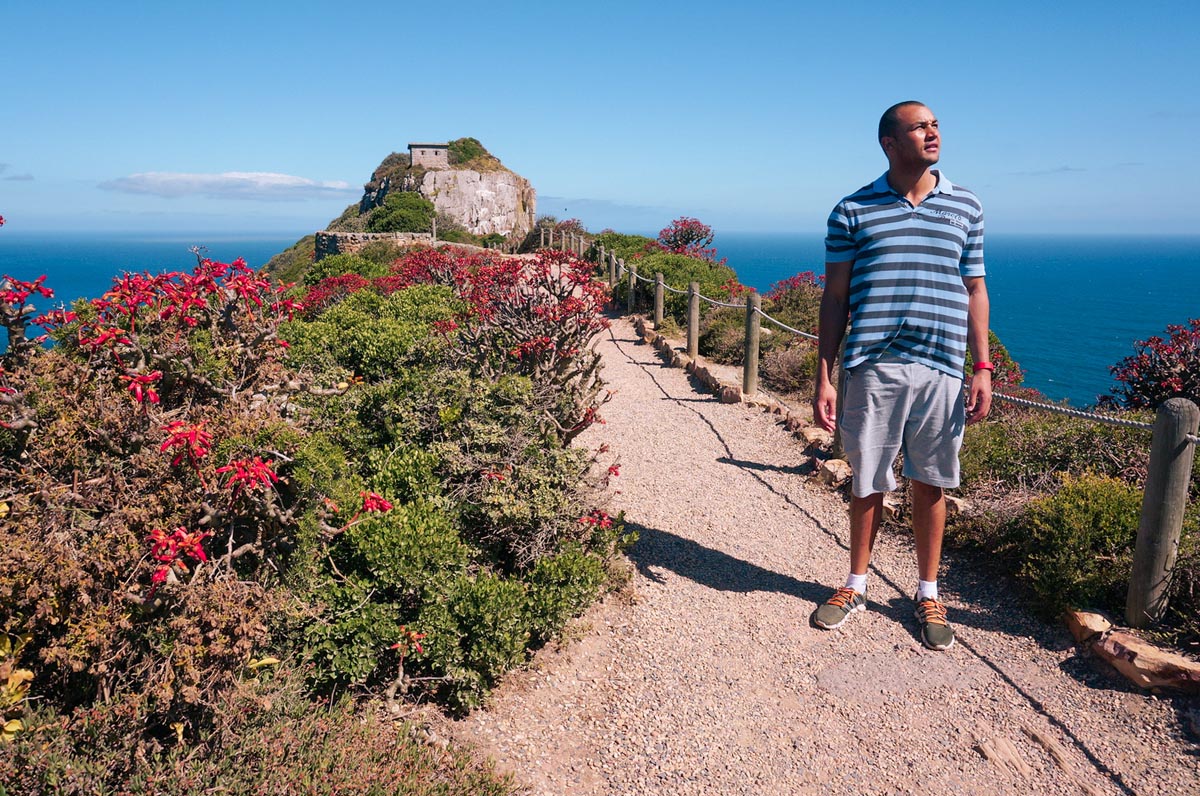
<point>932,611</point>
<point>842,597</point>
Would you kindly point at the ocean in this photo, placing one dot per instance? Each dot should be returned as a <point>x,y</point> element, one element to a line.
<point>1067,308</point>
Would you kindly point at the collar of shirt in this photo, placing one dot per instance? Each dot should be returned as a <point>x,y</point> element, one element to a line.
<point>943,184</point>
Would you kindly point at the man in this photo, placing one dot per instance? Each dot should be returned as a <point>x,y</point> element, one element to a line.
<point>904,262</point>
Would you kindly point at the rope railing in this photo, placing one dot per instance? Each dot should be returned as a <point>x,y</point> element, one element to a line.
<point>1066,410</point>
<point>1174,439</point>
<point>785,327</point>
<point>719,303</point>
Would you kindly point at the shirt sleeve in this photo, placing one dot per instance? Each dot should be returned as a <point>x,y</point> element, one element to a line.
<point>971,263</point>
<point>839,240</point>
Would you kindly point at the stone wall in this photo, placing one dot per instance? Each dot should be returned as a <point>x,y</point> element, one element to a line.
<point>329,243</point>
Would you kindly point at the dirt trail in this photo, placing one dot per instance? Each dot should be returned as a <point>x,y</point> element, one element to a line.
<point>711,680</point>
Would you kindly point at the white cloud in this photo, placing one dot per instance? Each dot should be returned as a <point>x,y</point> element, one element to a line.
<point>253,185</point>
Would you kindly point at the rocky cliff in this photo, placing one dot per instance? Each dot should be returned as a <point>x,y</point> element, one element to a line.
<point>477,193</point>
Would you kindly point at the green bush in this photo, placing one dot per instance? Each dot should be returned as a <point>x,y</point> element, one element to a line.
<point>464,150</point>
<point>406,553</point>
<point>1077,544</point>
<point>475,631</point>
<point>624,246</point>
<point>1029,449</point>
<point>402,211</point>
<point>338,264</point>
<point>679,271</point>
<point>373,335</point>
<point>560,587</point>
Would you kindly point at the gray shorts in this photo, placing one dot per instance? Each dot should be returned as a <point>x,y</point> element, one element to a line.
<point>891,406</point>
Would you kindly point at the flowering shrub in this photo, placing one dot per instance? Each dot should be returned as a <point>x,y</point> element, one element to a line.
<point>173,475</point>
<point>1161,368</point>
<point>691,237</point>
<point>113,503</point>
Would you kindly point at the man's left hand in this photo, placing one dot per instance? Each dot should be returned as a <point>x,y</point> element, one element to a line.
<point>979,397</point>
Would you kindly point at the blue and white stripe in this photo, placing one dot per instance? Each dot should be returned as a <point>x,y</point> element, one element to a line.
<point>907,296</point>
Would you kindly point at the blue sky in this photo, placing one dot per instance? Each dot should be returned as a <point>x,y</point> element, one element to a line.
<point>267,117</point>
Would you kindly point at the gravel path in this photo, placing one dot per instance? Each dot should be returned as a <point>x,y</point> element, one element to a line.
<point>705,676</point>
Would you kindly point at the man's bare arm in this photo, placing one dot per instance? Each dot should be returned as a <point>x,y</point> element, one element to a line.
<point>835,309</point>
<point>979,395</point>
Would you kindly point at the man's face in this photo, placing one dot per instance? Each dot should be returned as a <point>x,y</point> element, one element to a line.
<point>915,140</point>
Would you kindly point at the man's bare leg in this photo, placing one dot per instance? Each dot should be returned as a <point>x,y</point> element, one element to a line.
<point>865,514</point>
<point>929,526</point>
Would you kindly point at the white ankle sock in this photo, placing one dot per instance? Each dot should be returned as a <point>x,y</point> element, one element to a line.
<point>857,582</point>
<point>927,590</point>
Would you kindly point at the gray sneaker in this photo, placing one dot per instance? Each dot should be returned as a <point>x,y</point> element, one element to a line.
<point>936,632</point>
<point>837,609</point>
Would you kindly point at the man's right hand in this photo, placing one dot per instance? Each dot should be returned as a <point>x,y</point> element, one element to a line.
<point>825,406</point>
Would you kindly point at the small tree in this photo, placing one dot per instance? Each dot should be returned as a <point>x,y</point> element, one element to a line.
<point>689,236</point>
<point>1161,368</point>
<point>685,235</point>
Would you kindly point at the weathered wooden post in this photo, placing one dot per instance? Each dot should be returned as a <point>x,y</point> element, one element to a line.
<point>658,300</point>
<point>612,270</point>
<point>599,255</point>
<point>753,330</point>
<point>541,237</point>
<point>632,289</point>
<point>693,337</point>
<point>1167,479</point>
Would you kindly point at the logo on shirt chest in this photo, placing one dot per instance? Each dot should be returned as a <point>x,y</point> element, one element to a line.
<point>949,218</point>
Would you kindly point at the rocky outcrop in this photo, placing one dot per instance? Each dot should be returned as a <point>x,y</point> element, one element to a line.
<point>483,202</point>
<point>481,194</point>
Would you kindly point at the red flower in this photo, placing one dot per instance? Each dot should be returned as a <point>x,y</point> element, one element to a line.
<point>374,502</point>
<point>170,550</point>
<point>614,469</point>
<point>139,386</point>
<point>192,442</point>
<point>248,474</point>
<point>409,638</point>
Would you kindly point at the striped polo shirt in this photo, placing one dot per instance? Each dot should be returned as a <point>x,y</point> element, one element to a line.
<point>906,285</point>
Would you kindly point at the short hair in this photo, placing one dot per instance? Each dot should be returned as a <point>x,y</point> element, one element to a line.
<point>889,120</point>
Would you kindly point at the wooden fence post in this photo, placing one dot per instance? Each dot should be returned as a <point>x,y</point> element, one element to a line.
<point>658,301</point>
<point>632,288</point>
<point>753,330</point>
<point>542,237</point>
<point>612,270</point>
<point>1163,505</point>
<point>600,255</point>
<point>693,337</point>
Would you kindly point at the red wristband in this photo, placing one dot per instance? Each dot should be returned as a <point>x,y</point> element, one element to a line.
<point>978,366</point>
